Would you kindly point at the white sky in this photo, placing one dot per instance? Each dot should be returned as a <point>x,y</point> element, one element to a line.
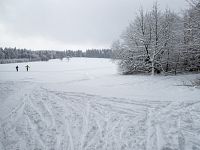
<point>69,24</point>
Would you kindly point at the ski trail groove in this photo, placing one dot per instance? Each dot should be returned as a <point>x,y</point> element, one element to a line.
<point>55,120</point>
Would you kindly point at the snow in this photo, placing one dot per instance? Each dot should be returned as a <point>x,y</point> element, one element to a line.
<point>84,104</point>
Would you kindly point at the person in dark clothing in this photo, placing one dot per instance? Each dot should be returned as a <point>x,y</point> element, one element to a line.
<point>27,67</point>
<point>17,67</point>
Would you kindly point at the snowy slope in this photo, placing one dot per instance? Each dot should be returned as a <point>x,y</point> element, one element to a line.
<point>84,104</point>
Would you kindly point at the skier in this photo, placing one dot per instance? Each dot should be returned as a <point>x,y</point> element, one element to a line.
<point>27,66</point>
<point>17,67</point>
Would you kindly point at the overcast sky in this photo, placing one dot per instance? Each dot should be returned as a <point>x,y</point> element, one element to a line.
<point>69,24</point>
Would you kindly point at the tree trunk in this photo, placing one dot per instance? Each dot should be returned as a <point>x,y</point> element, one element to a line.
<point>152,68</point>
<point>153,65</point>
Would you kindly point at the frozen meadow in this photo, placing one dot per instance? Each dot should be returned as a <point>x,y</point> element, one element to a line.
<point>84,104</point>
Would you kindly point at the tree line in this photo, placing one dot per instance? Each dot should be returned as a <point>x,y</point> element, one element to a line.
<point>12,55</point>
<point>160,42</point>
<point>91,53</point>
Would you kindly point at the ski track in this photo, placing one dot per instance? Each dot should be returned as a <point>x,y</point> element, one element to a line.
<point>55,120</point>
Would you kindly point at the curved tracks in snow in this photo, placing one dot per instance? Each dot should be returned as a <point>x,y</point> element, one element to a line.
<point>55,120</point>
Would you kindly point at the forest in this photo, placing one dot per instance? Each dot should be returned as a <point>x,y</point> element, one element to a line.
<point>160,42</point>
<point>12,55</point>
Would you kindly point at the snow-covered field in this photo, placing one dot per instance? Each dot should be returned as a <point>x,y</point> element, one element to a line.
<point>84,104</point>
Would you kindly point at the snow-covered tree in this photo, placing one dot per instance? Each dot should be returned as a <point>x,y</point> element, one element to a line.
<point>149,42</point>
<point>192,36</point>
